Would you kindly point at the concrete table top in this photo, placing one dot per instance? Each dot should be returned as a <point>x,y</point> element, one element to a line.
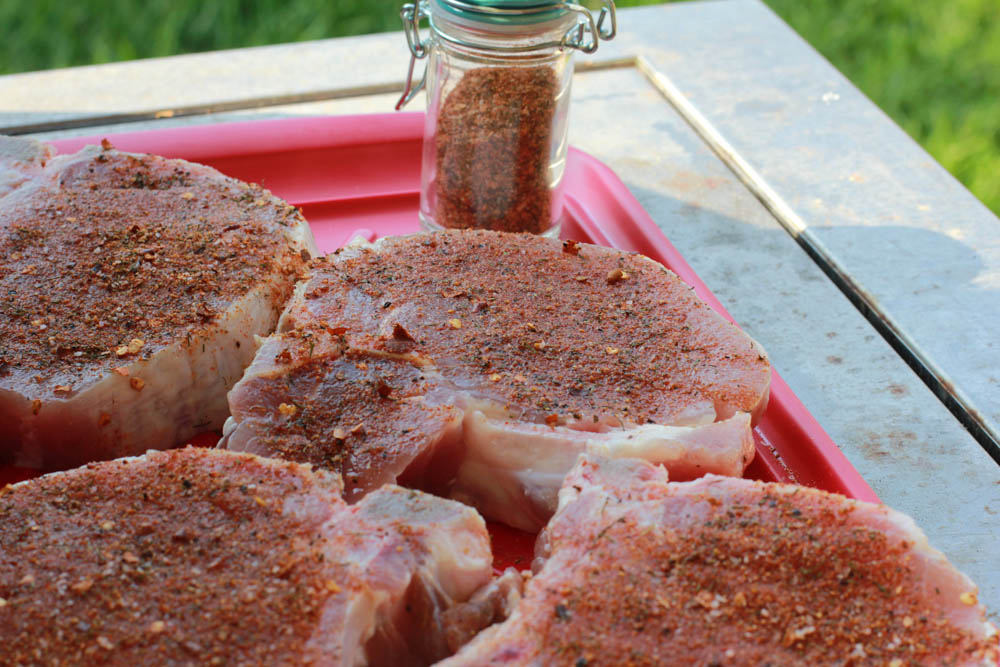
<point>868,273</point>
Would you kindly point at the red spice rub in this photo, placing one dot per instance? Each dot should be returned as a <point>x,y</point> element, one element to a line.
<point>367,417</point>
<point>557,333</point>
<point>207,557</point>
<point>125,248</point>
<point>182,557</point>
<point>731,572</point>
<point>493,145</point>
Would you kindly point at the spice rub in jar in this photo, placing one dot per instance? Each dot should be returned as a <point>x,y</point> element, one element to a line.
<point>493,150</point>
<point>132,289</point>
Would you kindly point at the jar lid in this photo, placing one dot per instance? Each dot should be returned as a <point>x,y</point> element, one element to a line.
<point>505,12</point>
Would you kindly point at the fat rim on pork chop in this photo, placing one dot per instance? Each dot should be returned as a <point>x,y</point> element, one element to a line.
<point>133,287</point>
<point>496,339</point>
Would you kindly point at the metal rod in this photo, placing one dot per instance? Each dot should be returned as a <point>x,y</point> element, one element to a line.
<point>930,373</point>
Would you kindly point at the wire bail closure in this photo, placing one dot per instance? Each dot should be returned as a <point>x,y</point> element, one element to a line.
<point>411,13</point>
<point>585,35</point>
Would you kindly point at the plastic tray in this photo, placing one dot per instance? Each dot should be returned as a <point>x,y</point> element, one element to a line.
<point>360,175</point>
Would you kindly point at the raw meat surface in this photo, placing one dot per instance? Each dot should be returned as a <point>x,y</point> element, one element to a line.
<point>133,288</point>
<point>512,470</point>
<point>635,570</point>
<point>196,556</point>
<point>20,160</point>
<point>528,323</point>
<point>370,417</point>
<point>571,346</point>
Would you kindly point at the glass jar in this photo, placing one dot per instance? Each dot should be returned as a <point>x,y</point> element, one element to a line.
<point>498,89</point>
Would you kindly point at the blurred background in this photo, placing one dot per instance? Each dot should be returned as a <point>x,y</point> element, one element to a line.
<point>932,65</point>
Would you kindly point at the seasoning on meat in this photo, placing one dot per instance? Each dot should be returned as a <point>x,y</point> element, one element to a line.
<point>492,151</point>
<point>337,408</point>
<point>106,266</point>
<point>639,571</point>
<point>677,358</point>
<point>199,556</point>
<point>508,360</point>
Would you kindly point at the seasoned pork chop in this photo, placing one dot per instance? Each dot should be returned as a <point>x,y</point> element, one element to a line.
<point>568,346</point>
<point>724,571</point>
<point>196,556</point>
<point>370,417</point>
<point>133,287</point>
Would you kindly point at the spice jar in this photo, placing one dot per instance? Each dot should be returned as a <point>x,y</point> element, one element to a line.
<point>498,88</point>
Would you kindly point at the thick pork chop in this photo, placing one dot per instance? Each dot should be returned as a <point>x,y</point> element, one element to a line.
<point>723,571</point>
<point>133,287</point>
<point>571,346</point>
<point>197,556</point>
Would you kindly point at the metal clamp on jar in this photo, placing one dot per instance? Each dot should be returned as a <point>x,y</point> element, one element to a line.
<point>498,89</point>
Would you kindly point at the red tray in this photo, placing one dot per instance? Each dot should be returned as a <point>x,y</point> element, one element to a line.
<point>360,175</point>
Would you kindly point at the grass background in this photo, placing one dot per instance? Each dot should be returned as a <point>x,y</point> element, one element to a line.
<point>932,65</point>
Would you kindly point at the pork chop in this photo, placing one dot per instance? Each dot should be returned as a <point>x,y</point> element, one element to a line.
<point>133,287</point>
<point>568,346</point>
<point>635,570</point>
<point>197,556</point>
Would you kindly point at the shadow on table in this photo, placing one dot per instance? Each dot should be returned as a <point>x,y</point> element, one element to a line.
<point>929,267</point>
<point>937,289</point>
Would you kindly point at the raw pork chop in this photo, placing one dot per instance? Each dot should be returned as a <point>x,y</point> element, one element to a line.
<point>196,556</point>
<point>562,347</point>
<point>723,571</point>
<point>133,287</point>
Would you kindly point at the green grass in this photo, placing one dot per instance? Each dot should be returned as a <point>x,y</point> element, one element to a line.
<point>933,66</point>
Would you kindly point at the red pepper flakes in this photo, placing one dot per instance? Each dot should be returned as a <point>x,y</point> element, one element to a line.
<point>616,276</point>
<point>400,333</point>
<point>82,586</point>
<point>493,144</point>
